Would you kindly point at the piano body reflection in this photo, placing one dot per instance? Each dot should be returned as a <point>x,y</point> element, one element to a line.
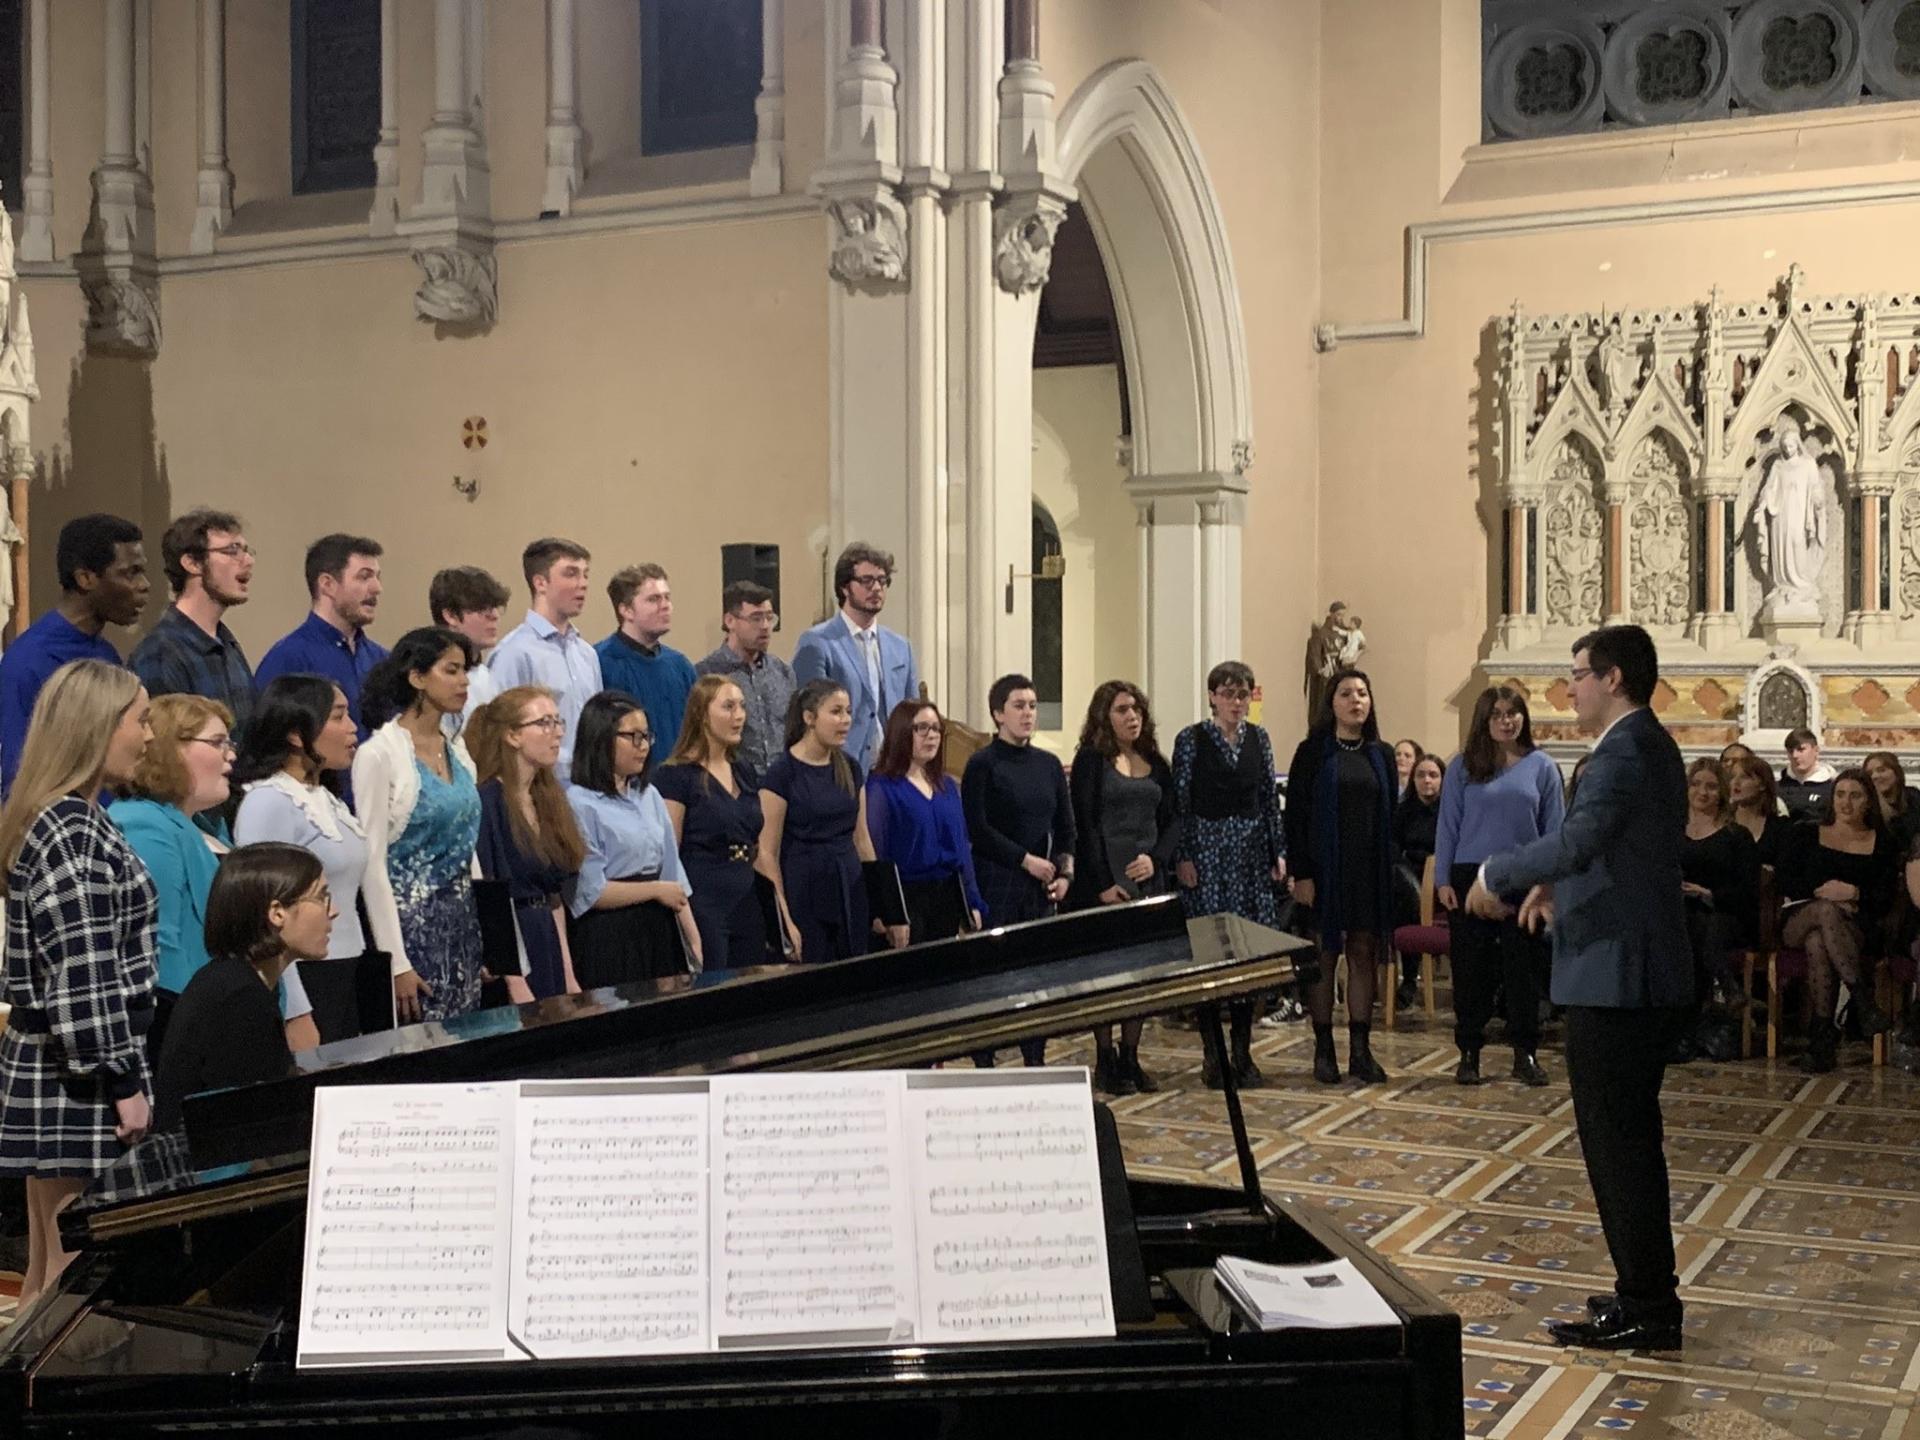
<point>180,1313</point>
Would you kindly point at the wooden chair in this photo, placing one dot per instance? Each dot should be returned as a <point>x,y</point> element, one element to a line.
<point>1427,940</point>
<point>1894,985</point>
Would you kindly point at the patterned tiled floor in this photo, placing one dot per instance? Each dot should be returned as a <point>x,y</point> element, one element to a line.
<point>1796,1202</point>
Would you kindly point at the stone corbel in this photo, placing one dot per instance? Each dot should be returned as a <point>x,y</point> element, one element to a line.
<point>460,285</point>
<point>869,235</point>
<point>1023,230</point>
<point>123,307</point>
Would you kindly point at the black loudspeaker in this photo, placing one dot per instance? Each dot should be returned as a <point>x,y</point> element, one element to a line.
<point>758,563</point>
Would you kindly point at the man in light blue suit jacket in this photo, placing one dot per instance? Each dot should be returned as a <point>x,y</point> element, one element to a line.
<point>852,647</point>
<point>1609,882</point>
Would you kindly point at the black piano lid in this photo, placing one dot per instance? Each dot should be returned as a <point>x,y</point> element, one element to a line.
<point>247,1147</point>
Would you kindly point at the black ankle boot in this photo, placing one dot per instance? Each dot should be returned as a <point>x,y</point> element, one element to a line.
<point>1106,1077</point>
<point>1246,1074</point>
<point>1873,1020</point>
<point>1526,1068</point>
<point>1467,1072</point>
<point>1360,1062</point>
<point>1326,1065</point>
<point>1823,1048</point>
<point>1127,1070</point>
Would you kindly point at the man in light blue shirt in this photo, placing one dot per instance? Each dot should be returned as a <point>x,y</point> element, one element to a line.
<point>546,648</point>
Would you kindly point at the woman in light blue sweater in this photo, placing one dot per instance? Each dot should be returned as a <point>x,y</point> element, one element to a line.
<point>1500,792</point>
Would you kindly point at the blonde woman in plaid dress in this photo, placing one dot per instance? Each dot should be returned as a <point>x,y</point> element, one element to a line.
<point>80,952</point>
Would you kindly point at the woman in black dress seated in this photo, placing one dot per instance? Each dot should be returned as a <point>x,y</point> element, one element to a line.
<point>1837,879</point>
<point>1720,875</point>
<point>269,906</point>
<point>1756,806</point>
<point>1340,798</point>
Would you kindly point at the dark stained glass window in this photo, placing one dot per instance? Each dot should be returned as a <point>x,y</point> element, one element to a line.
<point>699,74</point>
<point>13,88</point>
<point>336,93</point>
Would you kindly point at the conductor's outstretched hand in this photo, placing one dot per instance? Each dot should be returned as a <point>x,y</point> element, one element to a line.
<point>1486,905</point>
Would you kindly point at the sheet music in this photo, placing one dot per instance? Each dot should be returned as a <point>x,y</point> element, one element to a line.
<point>407,1220</point>
<point>811,1232</point>
<point>1009,1228</point>
<point>610,1218</point>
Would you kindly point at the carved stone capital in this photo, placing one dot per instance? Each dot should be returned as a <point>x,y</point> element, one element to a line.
<point>1023,230</point>
<point>123,312</point>
<point>461,285</point>
<point>869,237</point>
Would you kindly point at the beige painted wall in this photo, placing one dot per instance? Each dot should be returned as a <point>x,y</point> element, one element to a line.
<point>1076,416</point>
<point>1406,493</point>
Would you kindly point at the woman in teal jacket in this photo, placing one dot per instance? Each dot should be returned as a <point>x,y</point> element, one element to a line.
<point>184,774</point>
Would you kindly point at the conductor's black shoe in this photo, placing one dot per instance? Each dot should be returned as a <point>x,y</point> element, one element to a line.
<point>1598,1305</point>
<point>1614,1330</point>
<point>1467,1072</point>
<point>1526,1069</point>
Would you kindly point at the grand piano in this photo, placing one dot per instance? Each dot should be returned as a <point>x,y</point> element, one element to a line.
<point>179,1314</point>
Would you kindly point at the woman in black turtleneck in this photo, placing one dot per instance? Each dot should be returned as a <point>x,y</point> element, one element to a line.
<point>1019,821</point>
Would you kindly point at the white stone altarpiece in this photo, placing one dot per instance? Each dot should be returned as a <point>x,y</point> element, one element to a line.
<point>1740,477</point>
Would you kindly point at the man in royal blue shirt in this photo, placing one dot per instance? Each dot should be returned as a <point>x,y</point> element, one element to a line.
<point>635,659</point>
<point>343,577</point>
<point>103,581</point>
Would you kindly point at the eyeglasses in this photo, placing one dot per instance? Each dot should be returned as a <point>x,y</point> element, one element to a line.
<point>1233,692</point>
<point>928,727</point>
<point>1581,672</point>
<point>874,582</point>
<point>636,737</point>
<point>224,744</point>
<point>233,551</point>
<point>323,896</point>
<point>758,617</point>
<point>552,724</point>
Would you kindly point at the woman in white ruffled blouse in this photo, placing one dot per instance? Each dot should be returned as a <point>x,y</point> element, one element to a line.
<point>301,732</point>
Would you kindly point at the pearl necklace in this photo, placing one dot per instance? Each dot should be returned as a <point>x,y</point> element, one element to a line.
<point>1349,744</point>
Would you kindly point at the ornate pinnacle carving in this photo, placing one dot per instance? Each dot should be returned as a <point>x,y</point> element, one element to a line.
<point>1023,230</point>
<point>462,286</point>
<point>869,238</point>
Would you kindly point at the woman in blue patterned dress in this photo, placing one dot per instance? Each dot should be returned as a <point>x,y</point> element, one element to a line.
<point>414,792</point>
<point>1228,859</point>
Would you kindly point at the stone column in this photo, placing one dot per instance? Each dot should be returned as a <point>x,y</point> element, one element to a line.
<point>116,259</point>
<point>384,218</point>
<point>1189,546</point>
<point>36,186</point>
<point>213,206</point>
<point>1618,586</point>
<point>452,226</point>
<point>1717,626</point>
<point>770,106</point>
<point>1873,622</point>
<point>566,147</point>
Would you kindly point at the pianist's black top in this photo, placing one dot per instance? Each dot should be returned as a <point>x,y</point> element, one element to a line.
<point>225,1031</point>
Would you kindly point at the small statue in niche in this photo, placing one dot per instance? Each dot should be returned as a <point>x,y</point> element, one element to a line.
<point>1615,369</point>
<point>1790,520</point>
<point>1336,644</point>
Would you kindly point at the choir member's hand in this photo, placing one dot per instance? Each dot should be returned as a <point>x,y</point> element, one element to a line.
<point>978,921</point>
<point>135,1116</point>
<point>1483,903</point>
<point>1303,893</point>
<point>1058,886</point>
<point>1446,897</point>
<point>1114,895</point>
<point>518,991</point>
<point>1140,869</point>
<point>1537,909</point>
<point>1280,871</point>
<point>1837,891</point>
<point>409,990</point>
<point>669,894</point>
<point>1039,869</point>
<point>302,1034</point>
<point>1698,892</point>
<point>793,939</point>
<point>899,936</point>
<point>1188,877</point>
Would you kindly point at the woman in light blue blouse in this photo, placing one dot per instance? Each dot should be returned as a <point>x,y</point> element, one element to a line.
<point>628,916</point>
<point>301,738</point>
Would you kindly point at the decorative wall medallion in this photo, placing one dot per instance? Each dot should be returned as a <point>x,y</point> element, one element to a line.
<point>1870,698</point>
<point>1663,698</point>
<point>1712,698</point>
<point>1558,694</point>
<point>473,432</point>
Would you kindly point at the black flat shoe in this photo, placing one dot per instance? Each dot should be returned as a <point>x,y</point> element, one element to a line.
<point>1612,1330</point>
<point>1526,1069</point>
<point>1140,1080</point>
<point>1246,1074</point>
<point>1467,1072</point>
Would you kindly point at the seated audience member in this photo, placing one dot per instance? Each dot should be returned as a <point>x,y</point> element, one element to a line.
<point>1756,807</point>
<point>1416,823</point>
<point>528,836</point>
<point>1720,876</point>
<point>766,680</point>
<point>80,953</point>
<point>1836,878</point>
<point>343,581</point>
<point>269,907</point>
<point>713,800</point>
<point>629,912</point>
<point>1127,830</point>
<point>467,600</point>
<point>415,795</point>
<point>917,825</point>
<point>291,762</point>
<point>1805,779</point>
<point>1406,754</point>
<point>190,650</point>
<point>1899,802</point>
<point>814,838</point>
<point>547,647</point>
<point>103,581</point>
<point>636,660</point>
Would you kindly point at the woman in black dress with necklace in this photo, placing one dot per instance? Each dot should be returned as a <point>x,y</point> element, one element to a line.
<point>1341,790</point>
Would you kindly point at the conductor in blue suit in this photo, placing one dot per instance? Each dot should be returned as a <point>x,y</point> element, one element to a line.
<point>1609,883</point>
<point>852,647</point>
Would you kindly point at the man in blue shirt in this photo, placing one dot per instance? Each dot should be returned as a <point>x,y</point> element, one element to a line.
<point>190,651</point>
<point>343,578</point>
<point>633,659</point>
<point>103,581</point>
<point>547,648</point>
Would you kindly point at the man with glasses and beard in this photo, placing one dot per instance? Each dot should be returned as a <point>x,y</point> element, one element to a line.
<point>852,647</point>
<point>190,650</point>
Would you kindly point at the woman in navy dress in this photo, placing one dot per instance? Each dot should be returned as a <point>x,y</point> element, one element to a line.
<point>528,836</point>
<point>815,836</point>
<point>713,800</point>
